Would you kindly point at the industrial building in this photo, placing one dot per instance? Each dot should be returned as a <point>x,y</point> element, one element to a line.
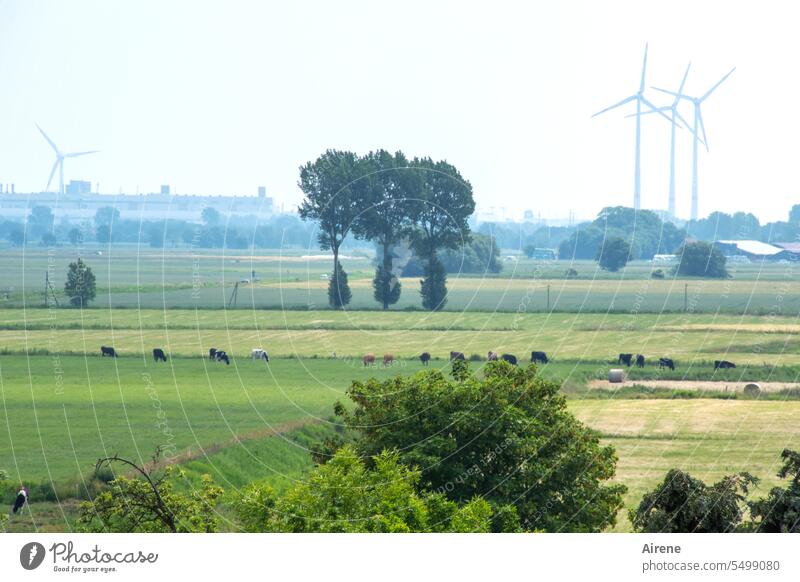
<point>756,250</point>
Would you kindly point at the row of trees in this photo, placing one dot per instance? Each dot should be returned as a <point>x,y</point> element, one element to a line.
<point>387,198</point>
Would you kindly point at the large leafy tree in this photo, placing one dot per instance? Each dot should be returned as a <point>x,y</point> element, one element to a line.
<point>389,185</point>
<point>80,286</point>
<point>701,259</point>
<point>779,512</point>
<point>347,495</point>
<point>40,221</point>
<point>505,435</point>
<point>334,198</point>
<point>613,254</point>
<point>683,504</point>
<point>440,213</point>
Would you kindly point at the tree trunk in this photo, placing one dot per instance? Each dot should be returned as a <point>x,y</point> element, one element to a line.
<point>387,269</point>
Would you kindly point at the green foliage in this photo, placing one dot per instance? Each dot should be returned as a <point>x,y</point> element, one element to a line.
<point>613,254</point>
<point>529,250</point>
<point>506,436</point>
<point>75,236</point>
<point>103,234</point>
<point>386,287</point>
<point>701,259</point>
<point>433,287</point>
<point>339,294</point>
<point>210,216</point>
<point>132,506</point>
<point>480,255</point>
<point>683,504</point>
<point>779,512</point>
<point>347,495</point>
<point>40,221</point>
<point>106,216</point>
<point>80,286</point>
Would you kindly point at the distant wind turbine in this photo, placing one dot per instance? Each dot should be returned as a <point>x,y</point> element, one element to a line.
<point>59,163</point>
<point>698,123</point>
<point>640,99</point>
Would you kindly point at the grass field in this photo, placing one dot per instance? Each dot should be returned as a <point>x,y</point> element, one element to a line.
<point>136,277</point>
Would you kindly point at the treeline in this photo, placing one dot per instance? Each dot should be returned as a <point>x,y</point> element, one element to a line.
<point>390,200</point>
<point>284,230</point>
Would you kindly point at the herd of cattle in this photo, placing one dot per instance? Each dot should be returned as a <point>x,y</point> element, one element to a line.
<point>388,359</point>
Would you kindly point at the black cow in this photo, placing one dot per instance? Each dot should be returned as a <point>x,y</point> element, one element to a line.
<point>666,363</point>
<point>424,357</point>
<point>625,359</point>
<point>723,364</point>
<point>221,356</point>
<point>159,355</point>
<point>106,351</point>
<point>639,361</point>
<point>457,356</point>
<point>510,358</point>
<point>212,353</point>
<point>539,357</point>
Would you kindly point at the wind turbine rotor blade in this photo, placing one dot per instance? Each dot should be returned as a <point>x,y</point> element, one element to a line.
<point>718,83</point>
<point>76,154</point>
<point>683,82</point>
<point>650,111</point>
<point>644,68</point>
<point>673,93</point>
<point>684,122</point>
<point>52,173</point>
<point>50,141</point>
<point>702,126</point>
<point>623,102</point>
<point>656,109</point>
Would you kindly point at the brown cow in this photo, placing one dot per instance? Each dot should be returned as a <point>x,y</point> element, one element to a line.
<point>492,357</point>
<point>369,359</point>
<point>388,359</point>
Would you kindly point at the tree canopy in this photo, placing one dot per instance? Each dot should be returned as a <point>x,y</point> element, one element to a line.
<point>701,259</point>
<point>80,286</point>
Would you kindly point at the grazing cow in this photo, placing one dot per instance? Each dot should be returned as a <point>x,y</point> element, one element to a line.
<point>424,357</point>
<point>510,358</point>
<point>388,359</point>
<point>222,356</point>
<point>723,364</point>
<point>540,357</point>
<point>639,361</point>
<point>666,363</point>
<point>106,351</point>
<point>492,356</point>
<point>259,354</point>
<point>159,355</point>
<point>457,356</point>
<point>212,353</point>
<point>625,359</point>
<point>368,359</point>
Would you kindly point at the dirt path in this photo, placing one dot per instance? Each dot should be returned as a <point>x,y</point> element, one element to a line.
<point>703,385</point>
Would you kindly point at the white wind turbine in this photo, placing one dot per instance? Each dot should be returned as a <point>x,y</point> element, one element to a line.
<point>698,123</point>
<point>59,163</point>
<point>640,99</point>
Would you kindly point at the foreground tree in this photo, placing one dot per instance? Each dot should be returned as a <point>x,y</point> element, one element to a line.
<point>701,259</point>
<point>346,495</point>
<point>506,436</point>
<point>333,199</point>
<point>683,504</point>
<point>80,286</point>
<point>441,213</point>
<point>386,219</point>
<point>779,512</point>
<point>613,254</point>
<point>149,503</point>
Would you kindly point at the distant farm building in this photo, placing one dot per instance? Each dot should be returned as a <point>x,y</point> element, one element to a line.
<point>545,254</point>
<point>755,250</point>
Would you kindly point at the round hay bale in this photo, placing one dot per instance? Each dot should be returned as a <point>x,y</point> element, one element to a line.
<point>752,389</point>
<point>616,375</point>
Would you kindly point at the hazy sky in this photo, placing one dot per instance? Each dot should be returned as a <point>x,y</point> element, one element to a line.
<point>220,97</point>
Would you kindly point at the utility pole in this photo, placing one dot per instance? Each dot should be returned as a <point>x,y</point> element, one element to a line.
<point>232,300</point>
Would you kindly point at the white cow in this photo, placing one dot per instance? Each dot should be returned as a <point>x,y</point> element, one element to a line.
<point>259,354</point>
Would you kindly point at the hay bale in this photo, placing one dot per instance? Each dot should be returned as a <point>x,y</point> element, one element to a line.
<point>616,375</point>
<point>752,389</point>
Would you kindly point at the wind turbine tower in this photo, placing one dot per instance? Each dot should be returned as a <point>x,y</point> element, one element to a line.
<point>698,124</point>
<point>640,99</point>
<point>59,163</point>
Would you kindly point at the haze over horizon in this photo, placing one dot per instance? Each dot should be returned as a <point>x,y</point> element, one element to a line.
<point>222,97</point>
